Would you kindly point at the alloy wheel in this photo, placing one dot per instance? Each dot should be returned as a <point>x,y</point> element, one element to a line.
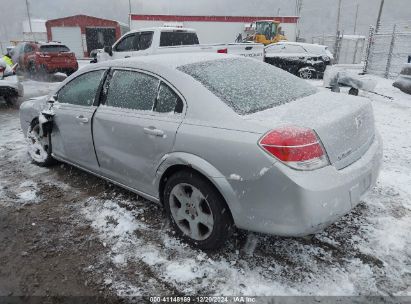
<point>191,211</point>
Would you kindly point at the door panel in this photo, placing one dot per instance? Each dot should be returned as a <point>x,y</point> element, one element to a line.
<point>72,123</point>
<point>71,136</point>
<point>130,137</point>
<point>130,145</point>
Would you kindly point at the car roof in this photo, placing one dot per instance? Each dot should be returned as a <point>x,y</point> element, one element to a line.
<point>163,29</point>
<point>303,44</point>
<point>171,61</point>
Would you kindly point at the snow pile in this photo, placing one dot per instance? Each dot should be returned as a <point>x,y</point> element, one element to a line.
<point>263,266</point>
<point>29,192</point>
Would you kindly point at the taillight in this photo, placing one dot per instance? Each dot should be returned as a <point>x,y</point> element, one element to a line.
<point>297,147</point>
<point>222,51</point>
<point>2,69</point>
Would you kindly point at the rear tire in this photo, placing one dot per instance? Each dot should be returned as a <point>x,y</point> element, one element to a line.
<point>197,211</point>
<point>39,147</point>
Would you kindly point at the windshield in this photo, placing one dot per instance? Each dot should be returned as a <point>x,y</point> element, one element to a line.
<point>268,29</point>
<point>54,48</point>
<point>178,38</point>
<point>248,86</point>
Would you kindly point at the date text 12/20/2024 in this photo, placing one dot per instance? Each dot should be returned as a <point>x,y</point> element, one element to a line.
<point>199,299</point>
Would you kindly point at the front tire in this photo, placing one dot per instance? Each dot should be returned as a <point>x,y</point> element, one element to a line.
<point>39,146</point>
<point>307,73</point>
<point>197,211</point>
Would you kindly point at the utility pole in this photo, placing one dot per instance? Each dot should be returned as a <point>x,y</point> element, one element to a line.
<point>339,15</point>
<point>298,8</point>
<point>337,36</point>
<point>129,14</point>
<point>28,15</point>
<point>356,19</point>
<point>377,27</point>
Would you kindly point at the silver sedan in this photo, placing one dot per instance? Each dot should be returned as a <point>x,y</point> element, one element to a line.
<point>220,141</point>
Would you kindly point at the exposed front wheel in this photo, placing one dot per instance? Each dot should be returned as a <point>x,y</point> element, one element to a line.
<point>197,211</point>
<point>39,146</point>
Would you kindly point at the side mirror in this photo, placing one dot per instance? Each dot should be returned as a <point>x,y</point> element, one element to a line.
<point>108,49</point>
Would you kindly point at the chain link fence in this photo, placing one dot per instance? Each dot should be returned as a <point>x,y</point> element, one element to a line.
<point>347,49</point>
<point>388,50</point>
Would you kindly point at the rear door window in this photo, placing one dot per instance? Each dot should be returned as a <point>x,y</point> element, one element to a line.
<point>178,38</point>
<point>82,90</point>
<point>132,90</point>
<point>168,101</point>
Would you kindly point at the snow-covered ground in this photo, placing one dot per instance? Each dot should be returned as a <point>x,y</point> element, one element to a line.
<point>366,253</point>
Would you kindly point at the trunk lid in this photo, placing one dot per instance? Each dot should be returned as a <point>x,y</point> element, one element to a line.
<point>60,57</point>
<point>344,124</point>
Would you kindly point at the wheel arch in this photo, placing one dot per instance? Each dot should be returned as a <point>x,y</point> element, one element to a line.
<point>183,161</point>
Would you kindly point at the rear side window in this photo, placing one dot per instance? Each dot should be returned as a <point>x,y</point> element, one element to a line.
<point>54,48</point>
<point>82,90</point>
<point>178,38</point>
<point>132,90</point>
<point>168,101</point>
<point>246,85</point>
<point>294,49</point>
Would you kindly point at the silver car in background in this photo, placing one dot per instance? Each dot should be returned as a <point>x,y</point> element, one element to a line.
<point>219,140</point>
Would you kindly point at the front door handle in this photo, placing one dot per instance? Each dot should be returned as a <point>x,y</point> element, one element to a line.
<point>127,56</point>
<point>82,119</point>
<point>154,131</point>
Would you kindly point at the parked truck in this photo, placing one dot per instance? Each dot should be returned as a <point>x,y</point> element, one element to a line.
<point>161,40</point>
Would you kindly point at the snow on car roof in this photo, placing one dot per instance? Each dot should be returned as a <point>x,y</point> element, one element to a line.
<point>164,29</point>
<point>303,44</point>
<point>168,60</point>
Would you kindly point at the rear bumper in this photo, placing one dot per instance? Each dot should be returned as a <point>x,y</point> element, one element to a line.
<point>60,67</point>
<point>295,203</point>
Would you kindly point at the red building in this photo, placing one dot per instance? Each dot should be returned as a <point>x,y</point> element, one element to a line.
<point>82,33</point>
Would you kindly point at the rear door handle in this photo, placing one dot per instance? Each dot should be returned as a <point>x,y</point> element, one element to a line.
<point>154,131</point>
<point>82,119</point>
<point>127,56</point>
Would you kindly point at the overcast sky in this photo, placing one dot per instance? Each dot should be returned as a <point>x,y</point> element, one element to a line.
<point>318,16</point>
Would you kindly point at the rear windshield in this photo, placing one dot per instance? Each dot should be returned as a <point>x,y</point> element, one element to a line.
<point>247,85</point>
<point>54,48</point>
<point>178,38</point>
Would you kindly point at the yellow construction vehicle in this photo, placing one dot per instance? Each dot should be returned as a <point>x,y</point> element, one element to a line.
<point>264,31</point>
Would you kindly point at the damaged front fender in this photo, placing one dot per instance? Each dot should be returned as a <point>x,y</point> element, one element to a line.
<point>46,121</point>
